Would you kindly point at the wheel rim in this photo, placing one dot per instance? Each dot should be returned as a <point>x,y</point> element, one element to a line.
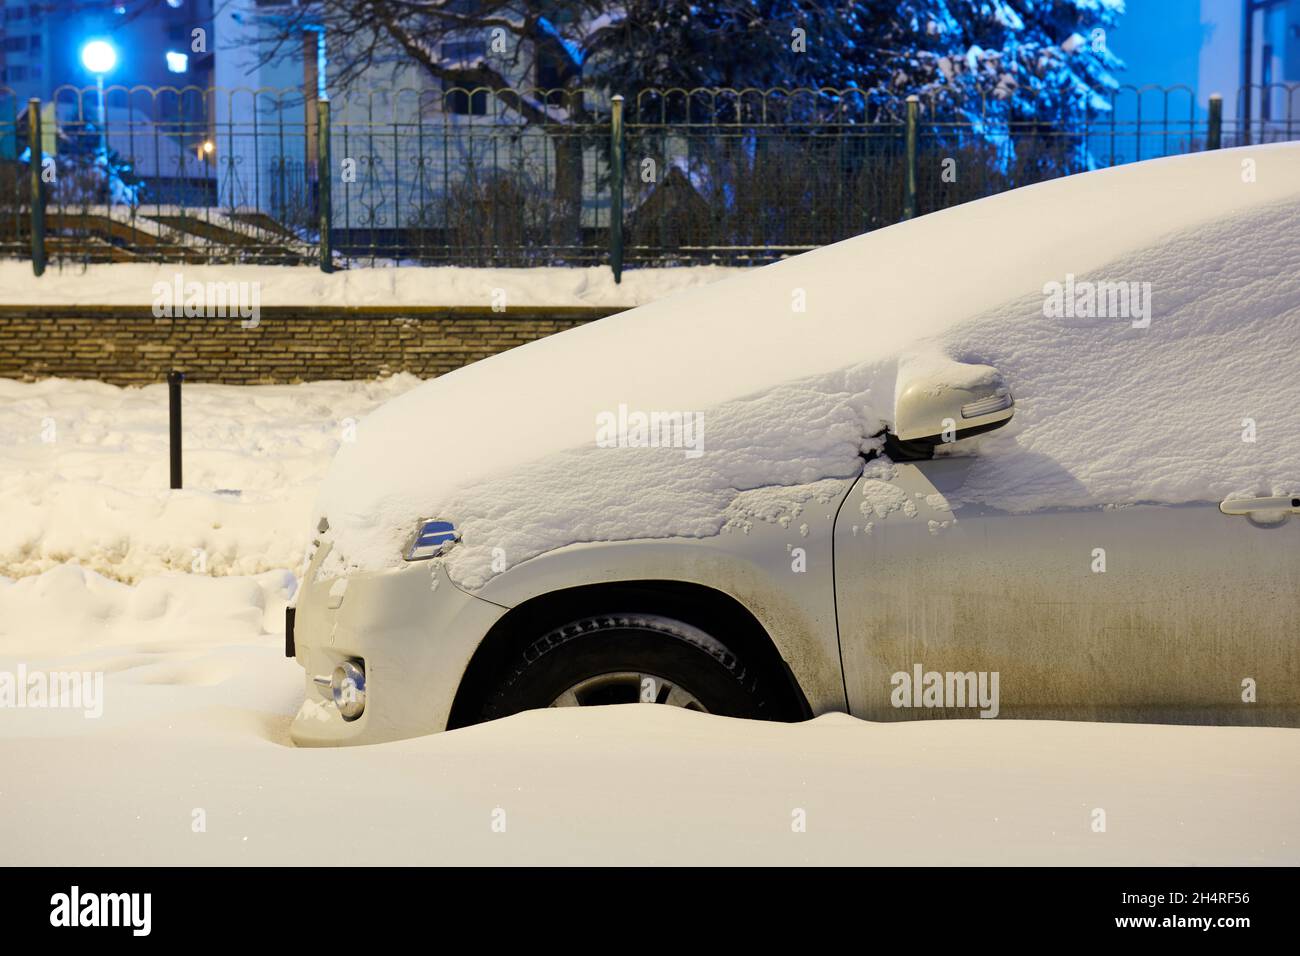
<point>628,687</point>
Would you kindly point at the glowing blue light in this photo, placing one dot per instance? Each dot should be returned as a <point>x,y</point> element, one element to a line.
<point>98,56</point>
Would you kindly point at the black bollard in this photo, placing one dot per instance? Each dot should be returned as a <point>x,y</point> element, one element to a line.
<point>174,380</point>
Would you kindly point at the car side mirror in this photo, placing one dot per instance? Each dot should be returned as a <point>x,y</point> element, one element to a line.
<point>940,401</point>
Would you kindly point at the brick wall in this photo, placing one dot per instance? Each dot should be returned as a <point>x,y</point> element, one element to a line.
<point>128,346</point>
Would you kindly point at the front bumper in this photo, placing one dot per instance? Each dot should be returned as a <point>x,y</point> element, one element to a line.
<point>414,630</point>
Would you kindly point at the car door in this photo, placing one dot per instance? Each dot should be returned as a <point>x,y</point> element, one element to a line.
<point>1166,613</point>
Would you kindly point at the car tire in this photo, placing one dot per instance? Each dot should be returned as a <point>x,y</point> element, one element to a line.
<point>629,658</point>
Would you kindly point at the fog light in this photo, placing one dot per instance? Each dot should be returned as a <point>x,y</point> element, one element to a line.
<point>348,688</point>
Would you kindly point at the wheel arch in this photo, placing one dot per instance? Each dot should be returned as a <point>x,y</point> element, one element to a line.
<point>714,611</point>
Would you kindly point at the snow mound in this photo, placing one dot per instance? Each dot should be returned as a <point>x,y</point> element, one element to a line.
<point>84,470</point>
<point>571,784</point>
<point>69,610</point>
<point>789,371</point>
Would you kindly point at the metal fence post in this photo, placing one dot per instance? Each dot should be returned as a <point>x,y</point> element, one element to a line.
<point>1214,139</point>
<point>909,172</point>
<point>616,188</point>
<point>37,192</point>
<point>323,179</point>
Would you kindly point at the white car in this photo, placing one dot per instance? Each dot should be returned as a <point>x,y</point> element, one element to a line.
<point>1036,456</point>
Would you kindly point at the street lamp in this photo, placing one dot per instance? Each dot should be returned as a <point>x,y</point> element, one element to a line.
<point>99,57</point>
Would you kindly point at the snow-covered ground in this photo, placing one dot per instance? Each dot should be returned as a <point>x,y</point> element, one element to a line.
<point>203,729</point>
<point>84,473</point>
<point>189,761</point>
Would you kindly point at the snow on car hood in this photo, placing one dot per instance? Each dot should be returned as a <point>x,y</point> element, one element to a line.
<point>781,376</point>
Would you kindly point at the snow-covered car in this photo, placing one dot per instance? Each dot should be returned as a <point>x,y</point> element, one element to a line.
<point>1036,456</point>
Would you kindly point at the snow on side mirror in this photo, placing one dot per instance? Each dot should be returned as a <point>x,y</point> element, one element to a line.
<point>939,400</point>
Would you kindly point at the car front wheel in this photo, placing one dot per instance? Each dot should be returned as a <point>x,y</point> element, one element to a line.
<point>626,659</point>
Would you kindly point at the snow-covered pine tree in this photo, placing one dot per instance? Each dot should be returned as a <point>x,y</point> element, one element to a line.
<point>1001,60</point>
<point>1004,60</point>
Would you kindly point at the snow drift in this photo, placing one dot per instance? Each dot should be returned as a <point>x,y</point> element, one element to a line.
<point>83,470</point>
<point>793,367</point>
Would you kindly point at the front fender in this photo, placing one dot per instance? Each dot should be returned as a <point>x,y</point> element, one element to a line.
<point>778,566</point>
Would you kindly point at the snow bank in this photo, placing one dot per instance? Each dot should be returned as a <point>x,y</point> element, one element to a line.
<point>189,728</point>
<point>84,473</point>
<point>133,283</point>
<point>792,368</point>
<point>70,610</point>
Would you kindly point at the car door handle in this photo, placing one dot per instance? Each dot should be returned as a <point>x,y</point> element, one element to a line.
<point>1247,506</point>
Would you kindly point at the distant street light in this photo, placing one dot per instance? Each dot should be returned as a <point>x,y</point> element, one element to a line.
<point>99,57</point>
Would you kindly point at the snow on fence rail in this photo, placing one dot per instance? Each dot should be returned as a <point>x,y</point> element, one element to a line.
<point>516,177</point>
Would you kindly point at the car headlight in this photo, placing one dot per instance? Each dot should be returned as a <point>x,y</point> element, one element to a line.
<point>431,538</point>
<point>348,688</point>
